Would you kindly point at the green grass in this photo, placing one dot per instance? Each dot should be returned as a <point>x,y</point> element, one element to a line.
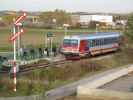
<point>36,36</point>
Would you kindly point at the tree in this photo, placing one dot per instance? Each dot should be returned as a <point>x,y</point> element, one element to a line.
<point>61,17</point>
<point>129,30</point>
<point>8,19</point>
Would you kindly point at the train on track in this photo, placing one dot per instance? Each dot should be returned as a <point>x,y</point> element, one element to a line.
<point>86,45</point>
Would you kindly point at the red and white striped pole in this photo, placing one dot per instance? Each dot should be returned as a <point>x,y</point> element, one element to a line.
<point>14,76</point>
<point>20,18</point>
<point>14,62</point>
<point>13,38</point>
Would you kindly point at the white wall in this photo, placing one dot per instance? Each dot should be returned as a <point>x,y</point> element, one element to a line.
<point>102,18</point>
<point>85,19</point>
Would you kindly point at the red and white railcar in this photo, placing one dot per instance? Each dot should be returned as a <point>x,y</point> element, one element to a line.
<point>91,44</point>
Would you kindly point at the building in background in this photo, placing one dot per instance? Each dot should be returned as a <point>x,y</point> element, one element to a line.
<point>107,19</point>
<point>104,20</point>
<point>31,20</point>
<point>78,19</point>
<point>75,18</point>
<point>86,19</point>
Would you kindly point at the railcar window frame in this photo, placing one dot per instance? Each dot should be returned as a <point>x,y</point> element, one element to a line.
<point>71,42</point>
<point>102,41</point>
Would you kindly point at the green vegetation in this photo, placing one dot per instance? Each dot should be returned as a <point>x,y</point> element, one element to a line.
<point>23,87</point>
<point>55,18</point>
<point>41,80</point>
<point>129,29</point>
<point>8,19</point>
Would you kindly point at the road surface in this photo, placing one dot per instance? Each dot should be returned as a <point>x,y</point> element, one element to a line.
<point>123,84</point>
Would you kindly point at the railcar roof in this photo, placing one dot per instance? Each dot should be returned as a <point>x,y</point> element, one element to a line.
<point>94,35</point>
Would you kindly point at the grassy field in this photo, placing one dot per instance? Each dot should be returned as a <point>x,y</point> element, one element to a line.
<point>37,37</point>
<point>41,80</point>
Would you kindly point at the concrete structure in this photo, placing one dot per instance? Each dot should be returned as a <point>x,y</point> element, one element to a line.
<point>123,84</point>
<point>90,89</point>
<point>101,94</point>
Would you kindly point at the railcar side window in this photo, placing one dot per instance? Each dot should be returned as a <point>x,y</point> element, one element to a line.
<point>97,42</point>
<point>102,41</point>
<point>109,40</point>
<point>94,43</point>
<point>90,43</point>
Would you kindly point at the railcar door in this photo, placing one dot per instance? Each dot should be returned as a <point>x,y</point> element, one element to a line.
<point>84,46</point>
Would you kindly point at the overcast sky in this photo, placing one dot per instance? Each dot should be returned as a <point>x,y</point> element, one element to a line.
<point>115,6</point>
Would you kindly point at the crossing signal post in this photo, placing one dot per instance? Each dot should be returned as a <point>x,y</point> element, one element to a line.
<point>13,39</point>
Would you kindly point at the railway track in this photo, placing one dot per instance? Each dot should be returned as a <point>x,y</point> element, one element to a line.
<point>41,65</point>
<point>34,66</point>
<point>4,70</point>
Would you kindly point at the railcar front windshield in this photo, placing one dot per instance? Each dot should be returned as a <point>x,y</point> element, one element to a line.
<point>70,42</point>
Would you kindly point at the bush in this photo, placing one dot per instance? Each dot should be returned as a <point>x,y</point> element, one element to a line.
<point>129,30</point>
